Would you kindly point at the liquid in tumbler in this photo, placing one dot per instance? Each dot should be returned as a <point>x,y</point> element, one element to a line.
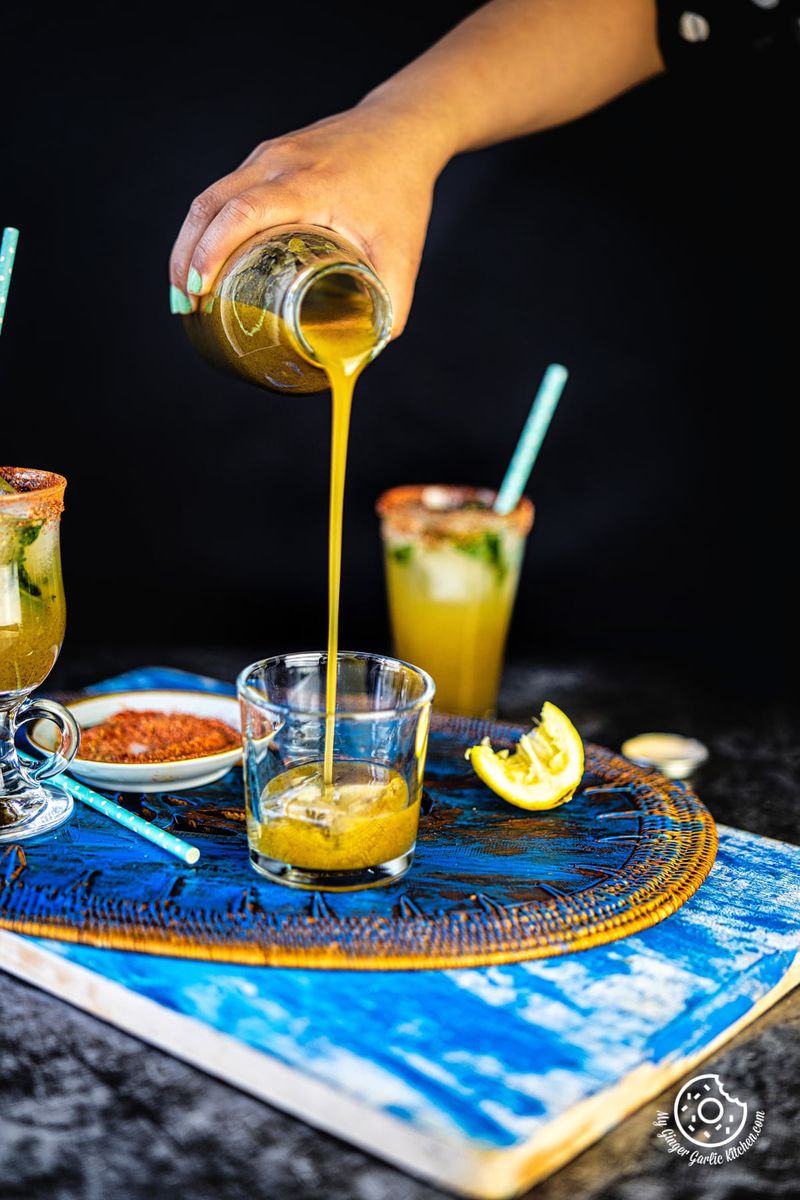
<point>351,822</point>
<point>452,569</point>
<point>360,819</point>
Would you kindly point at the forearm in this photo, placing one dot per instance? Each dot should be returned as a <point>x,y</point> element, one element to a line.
<point>518,66</point>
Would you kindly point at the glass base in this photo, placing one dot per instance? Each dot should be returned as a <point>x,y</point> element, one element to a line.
<point>332,881</point>
<point>39,810</point>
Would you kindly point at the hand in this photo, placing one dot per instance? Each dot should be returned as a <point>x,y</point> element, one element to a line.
<point>367,173</point>
<point>513,67</point>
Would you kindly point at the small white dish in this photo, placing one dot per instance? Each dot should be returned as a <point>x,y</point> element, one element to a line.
<point>675,756</point>
<point>148,777</point>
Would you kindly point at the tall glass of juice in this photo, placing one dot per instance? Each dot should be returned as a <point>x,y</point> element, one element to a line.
<point>452,569</point>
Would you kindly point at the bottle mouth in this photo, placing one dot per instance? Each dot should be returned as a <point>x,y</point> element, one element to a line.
<point>324,296</point>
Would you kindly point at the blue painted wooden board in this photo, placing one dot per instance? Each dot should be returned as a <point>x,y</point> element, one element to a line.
<point>483,1080</point>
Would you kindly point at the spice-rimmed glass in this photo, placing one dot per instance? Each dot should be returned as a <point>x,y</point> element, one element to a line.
<point>452,569</point>
<point>32,618</point>
<point>358,829</point>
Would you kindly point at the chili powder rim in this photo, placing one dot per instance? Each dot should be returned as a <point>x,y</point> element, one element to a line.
<point>42,497</point>
<point>402,510</point>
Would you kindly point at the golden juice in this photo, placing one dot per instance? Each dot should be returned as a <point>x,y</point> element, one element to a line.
<point>360,819</point>
<point>292,308</point>
<point>250,325</point>
<point>452,569</point>
<point>338,326</point>
<point>32,605</point>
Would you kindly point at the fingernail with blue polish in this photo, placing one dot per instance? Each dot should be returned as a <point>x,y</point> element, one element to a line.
<point>194,281</point>
<point>178,302</point>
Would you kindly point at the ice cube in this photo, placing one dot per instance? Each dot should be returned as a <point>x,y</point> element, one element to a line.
<point>10,611</point>
<point>453,577</point>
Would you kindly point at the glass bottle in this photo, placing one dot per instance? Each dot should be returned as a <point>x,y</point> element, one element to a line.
<point>251,323</point>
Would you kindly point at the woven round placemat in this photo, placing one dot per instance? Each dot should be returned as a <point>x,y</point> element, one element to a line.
<point>490,883</point>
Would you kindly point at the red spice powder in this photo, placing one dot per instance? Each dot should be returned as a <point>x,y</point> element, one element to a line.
<point>153,737</point>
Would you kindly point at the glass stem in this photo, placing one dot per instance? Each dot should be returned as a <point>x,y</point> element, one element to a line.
<point>8,712</point>
<point>12,780</point>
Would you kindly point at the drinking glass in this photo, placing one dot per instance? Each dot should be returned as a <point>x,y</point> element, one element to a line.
<point>359,828</point>
<point>452,569</point>
<point>32,616</point>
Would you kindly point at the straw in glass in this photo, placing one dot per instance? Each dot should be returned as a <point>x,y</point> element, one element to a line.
<point>8,248</point>
<point>531,438</point>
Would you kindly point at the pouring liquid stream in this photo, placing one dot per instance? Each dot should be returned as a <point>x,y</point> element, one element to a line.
<point>343,342</point>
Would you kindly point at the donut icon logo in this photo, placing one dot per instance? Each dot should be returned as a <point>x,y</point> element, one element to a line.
<point>706,1115</point>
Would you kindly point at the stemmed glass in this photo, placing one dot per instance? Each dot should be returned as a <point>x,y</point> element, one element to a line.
<point>32,618</point>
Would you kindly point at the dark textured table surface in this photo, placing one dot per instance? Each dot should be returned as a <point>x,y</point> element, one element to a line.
<point>87,1111</point>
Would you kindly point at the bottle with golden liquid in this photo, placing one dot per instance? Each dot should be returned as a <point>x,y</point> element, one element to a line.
<point>281,304</point>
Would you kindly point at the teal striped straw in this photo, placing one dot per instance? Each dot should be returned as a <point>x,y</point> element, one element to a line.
<point>8,248</point>
<point>115,812</point>
<point>531,438</point>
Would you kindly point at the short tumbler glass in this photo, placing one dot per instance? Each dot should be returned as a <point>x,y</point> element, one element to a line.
<point>358,828</point>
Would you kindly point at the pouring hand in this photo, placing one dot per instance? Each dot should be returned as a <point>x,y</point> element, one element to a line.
<point>367,173</point>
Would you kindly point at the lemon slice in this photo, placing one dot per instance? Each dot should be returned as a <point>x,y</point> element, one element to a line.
<point>543,771</point>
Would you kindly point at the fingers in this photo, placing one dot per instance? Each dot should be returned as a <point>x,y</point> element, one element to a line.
<point>320,176</point>
<point>202,211</point>
<point>401,291</point>
<point>398,274</point>
<point>245,214</point>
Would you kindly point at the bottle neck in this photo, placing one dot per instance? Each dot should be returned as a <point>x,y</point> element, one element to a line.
<point>343,299</point>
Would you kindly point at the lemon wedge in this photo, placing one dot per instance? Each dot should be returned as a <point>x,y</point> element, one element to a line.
<point>544,770</point>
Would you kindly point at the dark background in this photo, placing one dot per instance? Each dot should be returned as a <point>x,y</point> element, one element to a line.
<point>651,247</point>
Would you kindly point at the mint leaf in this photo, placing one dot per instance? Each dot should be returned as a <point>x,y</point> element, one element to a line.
<point>29,533</point>
<point>26,584</point>
<point>400,554</point>
<point>487,547</point>
<point>26,537</point>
